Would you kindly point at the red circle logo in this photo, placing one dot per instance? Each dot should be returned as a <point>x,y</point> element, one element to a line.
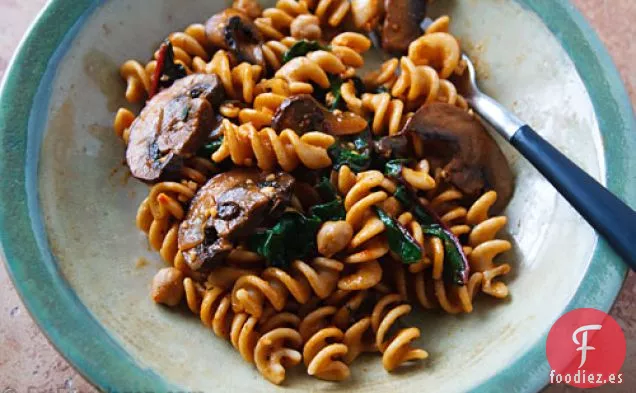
<point>586,348</point>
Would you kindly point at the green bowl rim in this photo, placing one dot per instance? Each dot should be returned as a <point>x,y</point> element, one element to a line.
<point>89,347</point>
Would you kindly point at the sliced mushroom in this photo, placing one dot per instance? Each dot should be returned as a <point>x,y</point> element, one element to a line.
<point>302,113</point>
<point>229,206</point>
<point>233,30</point>
<point>458,143</point>
<point>209,253</point>
<point>402,24</point>
<point>172,126</point>
<point>392,146</point>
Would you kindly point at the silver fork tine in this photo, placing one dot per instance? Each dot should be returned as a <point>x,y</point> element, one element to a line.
<point>501,119</point>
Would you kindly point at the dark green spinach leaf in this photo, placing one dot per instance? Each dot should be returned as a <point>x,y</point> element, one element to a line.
<point>301,48</point>
<point>353,151</point>
<point>209,148</point>
<point>408,201</point>
<point>336,92</point>
<point>326,190</point>
<point>293,237</point>
<point>400,240</point>
<point>455,261</point>
<point>404,195</point>
<point>330,211</point>
<point>393,168</point>
<point>336,89</point>
<point>455,266</point>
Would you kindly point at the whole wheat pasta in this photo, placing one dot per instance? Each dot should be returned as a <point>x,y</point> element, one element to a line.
<point>275,23</point>
<point>294,223</point>
<point>322,352</point>
<point>246,146</point>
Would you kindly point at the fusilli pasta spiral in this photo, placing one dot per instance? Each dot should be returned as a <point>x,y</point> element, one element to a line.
<point>269,93</point>
<point>440,50</point>
<point>239,81</point>
<point>137,80</point>
<point>312,68</point>
<point>332,12</point>
<point>397,349</point>
<point>485,247</point>
<point>274,50</point>
<point>273,353</point>
<point>189,44</point>
<point>388,113</point>
<point>275,285</point>
<point>275,22</point>
<point>265,148</point>
<point>349,47</point>
<point>322,352</point>
<point>123,119</point>
<point>159,215</point>
<point>269,352</point>
<point>214,309</point>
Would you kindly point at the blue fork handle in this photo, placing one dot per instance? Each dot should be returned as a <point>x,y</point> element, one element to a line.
<point>612,218</point>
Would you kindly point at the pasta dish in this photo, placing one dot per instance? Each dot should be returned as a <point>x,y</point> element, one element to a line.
<point>303,207</point>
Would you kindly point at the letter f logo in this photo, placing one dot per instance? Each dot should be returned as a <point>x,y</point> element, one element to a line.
<point>583,344</point>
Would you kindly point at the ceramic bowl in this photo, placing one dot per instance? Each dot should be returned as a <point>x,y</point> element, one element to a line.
<point>71,246</point>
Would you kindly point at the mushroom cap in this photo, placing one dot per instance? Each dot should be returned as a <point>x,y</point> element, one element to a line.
<point>233,30</point>
<point>230,206</point>
<point>303,113</point>
<point>459,144</point>
<point>402,24</point>
<point>173,125</point>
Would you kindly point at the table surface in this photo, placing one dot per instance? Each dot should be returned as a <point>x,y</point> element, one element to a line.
<point>28,363</point>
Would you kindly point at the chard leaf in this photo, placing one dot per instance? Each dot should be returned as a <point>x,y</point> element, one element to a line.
<point>336,91</point>
<point>455,266</point>
<point>353,151</point>
<point>393,168</point>
<point>167,71</point>
<point>330,211</point>
<point>408,201</point>
<point>326,190</point>
<point>400,240</point>
<point>293,237</point>
<point>209,148</point>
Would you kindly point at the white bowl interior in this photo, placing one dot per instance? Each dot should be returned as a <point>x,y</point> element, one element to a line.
<point>89,205</point>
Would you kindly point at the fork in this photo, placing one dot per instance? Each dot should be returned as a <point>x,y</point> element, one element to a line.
<point>607,214</point>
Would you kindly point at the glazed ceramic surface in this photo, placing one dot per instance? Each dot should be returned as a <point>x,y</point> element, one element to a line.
<point>74,251</point>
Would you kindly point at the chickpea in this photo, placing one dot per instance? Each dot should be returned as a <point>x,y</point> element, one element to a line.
<point>334,236</point>
<point>167,286</point>
<point>306,27</point>
<point>250,8</point>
